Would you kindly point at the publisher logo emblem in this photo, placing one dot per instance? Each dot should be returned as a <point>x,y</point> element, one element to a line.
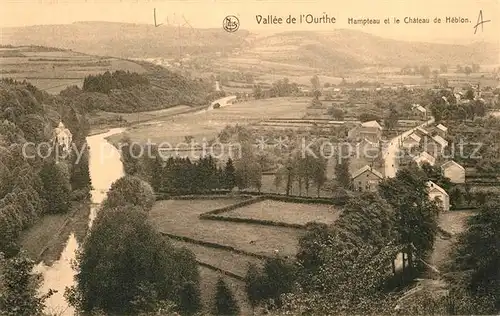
<point>231,23</point>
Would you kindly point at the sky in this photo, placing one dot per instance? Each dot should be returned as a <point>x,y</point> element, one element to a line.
<point>211,13</point>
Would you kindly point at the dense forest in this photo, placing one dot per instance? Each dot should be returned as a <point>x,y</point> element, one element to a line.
<point>34,184</point>
<point>127,92</point>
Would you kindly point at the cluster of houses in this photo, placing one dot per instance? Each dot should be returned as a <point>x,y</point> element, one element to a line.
<point>427,148</point>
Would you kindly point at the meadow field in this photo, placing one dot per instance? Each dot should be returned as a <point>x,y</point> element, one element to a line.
<point>207,124</point>
<point>53,70</point>
<point>181,218</point>
<point>291,213</point>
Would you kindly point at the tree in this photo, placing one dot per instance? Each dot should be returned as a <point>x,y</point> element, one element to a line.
<point>80,175</point>
<point>392,117</point>
<point>19,287</point>
<point>467,70</point>
<point>475,256</point>
<point>416,214</point>
<point>229,178</point>
<point>342,174</point>
<point>257,92</point>
<point>443,68</point>
<point>279,277</point>
<point>425,71</point>
<point>225,303</point>
<point>335,113</point>
<point>253,285</point>
<point>125,267</point>
<point>131,152</point>
<point>475,68</point>
<point>130,190</point>
<point>315,82</point>
<point>332,259</point>
<point>56,188</point>
<point>190,299</point>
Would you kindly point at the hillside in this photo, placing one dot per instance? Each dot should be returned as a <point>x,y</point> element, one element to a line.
<point>125,40</point>
<point>333,50</point>
<point>354,49</point>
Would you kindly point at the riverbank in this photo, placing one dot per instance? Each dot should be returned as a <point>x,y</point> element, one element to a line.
<point>46,239</point>
<point>134,119</point>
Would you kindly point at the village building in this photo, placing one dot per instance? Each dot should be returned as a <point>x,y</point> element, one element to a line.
<point>436,145</point>
<point>422,133</point>
<point>441,130</point>
<point>438,194</point>
<point>366,179</point>
<point>62,137</point>
<point>371,131</point>
<point>453,171</point>
<point>425,157</point>
<point>412,141</point>
<point>419,110</point>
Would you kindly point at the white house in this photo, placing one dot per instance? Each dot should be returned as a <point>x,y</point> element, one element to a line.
<point>413,140</point>
<point>454,171</point>
<point>438,194</point>
<point>425,157</point>
<point>441,130</point>
<point>62,136</point>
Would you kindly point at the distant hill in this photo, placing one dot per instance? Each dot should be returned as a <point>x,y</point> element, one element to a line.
<point>339,49</point>
<point>354,49</point>
<point>124,39</point>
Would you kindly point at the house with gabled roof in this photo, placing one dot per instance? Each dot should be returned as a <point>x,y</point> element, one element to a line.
<point>371,131</point>
<point>441,130</point>
<point>419,110</point>
<point>425,157</point>
<point>436,145</point>
<point>422,133</point>
<point>413,140</point>
<point>438,194</point>
<point>453,171</point>
<point>366,179</point>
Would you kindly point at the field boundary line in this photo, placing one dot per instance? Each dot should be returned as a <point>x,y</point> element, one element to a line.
<point>214,245</point>
<point>225,272</point>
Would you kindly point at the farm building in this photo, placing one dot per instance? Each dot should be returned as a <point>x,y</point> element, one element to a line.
<point>454,171</point>
<point>436,193</point>
<point>422,133</point>
<point>413,140</point>
<point>366,179</point>
<point>425,157</point>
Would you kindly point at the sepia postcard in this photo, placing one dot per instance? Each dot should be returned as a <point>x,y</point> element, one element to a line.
<point>251,157</point>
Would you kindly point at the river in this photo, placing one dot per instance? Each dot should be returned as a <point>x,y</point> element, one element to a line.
<point>105,167</point>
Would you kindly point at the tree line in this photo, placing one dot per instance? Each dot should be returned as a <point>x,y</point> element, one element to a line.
<point>108,81</point>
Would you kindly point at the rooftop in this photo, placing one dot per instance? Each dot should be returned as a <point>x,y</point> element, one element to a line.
<point>425,157</point>
<point>364,169</point>
<point>372,124</point>
<point>442,127</point>
<point>450,163</point>
<point>432,186</point>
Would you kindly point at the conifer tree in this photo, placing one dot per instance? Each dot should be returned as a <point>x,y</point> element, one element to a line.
<point>225,303</point>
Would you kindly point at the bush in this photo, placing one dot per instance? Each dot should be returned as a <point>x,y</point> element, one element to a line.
<point>130,190</point>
